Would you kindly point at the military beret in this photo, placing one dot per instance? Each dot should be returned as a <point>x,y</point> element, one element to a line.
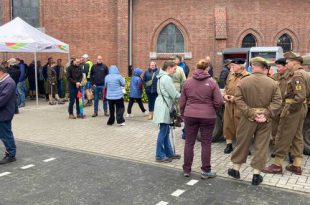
<point>238,61</point>
<point>280,61</point>
<point>227,62</point>
<point>260,60</point>
<point>293,56</point>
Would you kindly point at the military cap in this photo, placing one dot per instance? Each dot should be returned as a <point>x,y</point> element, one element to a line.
<point>293,56</point>
<point>227,62</point>
<point>260,60</point>
<point>238,61</point>
<point>280,61</point>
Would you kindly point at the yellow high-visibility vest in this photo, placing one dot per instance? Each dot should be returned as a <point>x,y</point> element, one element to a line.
<point>90,65</point>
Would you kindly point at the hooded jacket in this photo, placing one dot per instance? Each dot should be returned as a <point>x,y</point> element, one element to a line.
<point>167,93</point>
<point>200,96</point>
<point>136,84</point>
<point>114,83</point>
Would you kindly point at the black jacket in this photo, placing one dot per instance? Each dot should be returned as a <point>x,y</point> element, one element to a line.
<point>31,72</point>
<point>14,72</point>
<point>74,74</point>
<point>98,73</point>
<point>223,77</point>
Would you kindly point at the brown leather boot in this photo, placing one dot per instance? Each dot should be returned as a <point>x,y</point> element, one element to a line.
<point>273,169</point>
<point>294,169</point>
<point>150,117</point>
<point>72,117</point>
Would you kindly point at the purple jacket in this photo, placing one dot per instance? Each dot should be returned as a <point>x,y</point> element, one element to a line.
<point>7,98</point>
<point>200,96</point>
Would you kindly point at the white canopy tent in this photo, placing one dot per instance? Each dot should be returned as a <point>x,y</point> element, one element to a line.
<point>19,36</point>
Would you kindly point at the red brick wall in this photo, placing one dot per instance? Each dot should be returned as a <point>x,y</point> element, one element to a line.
<point>267,19</point>
<point>86,27</point>
<point>194,18</point>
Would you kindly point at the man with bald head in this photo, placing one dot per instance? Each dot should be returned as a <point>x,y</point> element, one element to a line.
<point>97,76</point>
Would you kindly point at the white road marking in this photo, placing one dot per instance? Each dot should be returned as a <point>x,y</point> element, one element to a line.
<point>192,182</point>
<point>4,174</point>
<point>27,166</point>
<point>178,192</point>
<point>48,160</point>
<point>162,203</point>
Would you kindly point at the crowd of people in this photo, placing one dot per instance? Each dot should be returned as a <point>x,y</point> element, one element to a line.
<point>259,109</point>
<point>257,105</point>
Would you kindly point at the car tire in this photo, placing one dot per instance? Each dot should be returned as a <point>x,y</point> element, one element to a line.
<point>306,134</point>
<point>217,135</point>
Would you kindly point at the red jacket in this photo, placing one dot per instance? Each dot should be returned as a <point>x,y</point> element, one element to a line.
<point>200,96</point>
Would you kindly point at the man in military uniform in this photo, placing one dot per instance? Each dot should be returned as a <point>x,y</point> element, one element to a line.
<point>259,98</point>
<point>289,135</point>
<point>232,113</point>
<point>281,77</point>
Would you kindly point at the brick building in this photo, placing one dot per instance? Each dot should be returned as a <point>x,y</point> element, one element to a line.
<point>194,28</point>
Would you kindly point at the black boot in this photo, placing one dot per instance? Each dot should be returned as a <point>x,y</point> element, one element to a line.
<point>290,158</point>
<point>7,159</point>
<point>229,148</point>
<point>257,179</point>
<point>234,173</point>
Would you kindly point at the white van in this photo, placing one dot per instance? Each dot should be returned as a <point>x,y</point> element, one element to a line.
<point>271,54</point>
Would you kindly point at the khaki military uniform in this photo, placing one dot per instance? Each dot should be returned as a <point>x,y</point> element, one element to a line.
<point>52,80</point>
<point>256,94</point>
<point>232,113</point>
<point>282,80</point>
<point>292,118</point>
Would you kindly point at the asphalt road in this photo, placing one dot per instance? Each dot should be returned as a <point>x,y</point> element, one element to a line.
<point>71,177</point>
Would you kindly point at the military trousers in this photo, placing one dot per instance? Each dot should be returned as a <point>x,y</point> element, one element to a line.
<point>248,133</point>
<point>290,133</point>
<point>274,127</point>
<point>231,120</point>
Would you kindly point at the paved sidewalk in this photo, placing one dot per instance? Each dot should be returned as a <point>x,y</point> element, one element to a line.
<point>136,141</point>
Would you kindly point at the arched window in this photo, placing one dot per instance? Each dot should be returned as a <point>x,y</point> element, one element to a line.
<point>170,40</point>
<point>285,41</point>
<point>248,41</point>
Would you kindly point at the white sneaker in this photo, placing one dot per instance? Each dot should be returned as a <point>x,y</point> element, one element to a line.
<point>129,115</point>
<point>146,113</point>
<point>122,124</point>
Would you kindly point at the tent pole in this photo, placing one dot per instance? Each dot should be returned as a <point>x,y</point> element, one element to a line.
<point>36,77</point>
<point>69,58</point>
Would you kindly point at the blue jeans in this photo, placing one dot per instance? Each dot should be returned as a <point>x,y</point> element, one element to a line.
<point>7,137</point>
<point>163,148</point>
<point>73,98</point>
<point>21,89</point>
<point>60,88</point>
<point>97,91</point>
<point>151,97</point>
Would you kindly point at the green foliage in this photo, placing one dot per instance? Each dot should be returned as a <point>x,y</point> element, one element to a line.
<point>127,87</point>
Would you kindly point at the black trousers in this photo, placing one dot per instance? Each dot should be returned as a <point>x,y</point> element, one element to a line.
<point>132,101</point>
<point>119,107</point>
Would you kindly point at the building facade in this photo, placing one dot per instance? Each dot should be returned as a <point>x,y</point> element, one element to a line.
<point>162,28</point>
